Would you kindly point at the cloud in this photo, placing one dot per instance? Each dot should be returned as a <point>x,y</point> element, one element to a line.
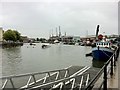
<point>37,19</point>
<point>59,0</point>
<point>1,15</point>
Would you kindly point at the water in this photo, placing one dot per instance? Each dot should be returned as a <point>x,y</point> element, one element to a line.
<point>27,59</point>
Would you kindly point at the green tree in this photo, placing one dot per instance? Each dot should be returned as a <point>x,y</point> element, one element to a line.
<point>37,39</point>
<point>18,37</point>
<point>11,35</point>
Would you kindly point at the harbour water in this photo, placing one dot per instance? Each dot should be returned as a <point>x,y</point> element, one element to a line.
<point>28,58</point>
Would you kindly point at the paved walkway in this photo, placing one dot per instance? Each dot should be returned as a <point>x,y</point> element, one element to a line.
<point>113,81</point>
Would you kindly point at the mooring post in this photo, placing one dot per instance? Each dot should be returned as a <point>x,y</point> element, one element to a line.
<point>105,78</point>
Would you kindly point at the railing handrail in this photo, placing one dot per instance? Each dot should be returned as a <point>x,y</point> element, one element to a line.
<point>92,82</point>
<point>60,80</point>
<point>35,73</point>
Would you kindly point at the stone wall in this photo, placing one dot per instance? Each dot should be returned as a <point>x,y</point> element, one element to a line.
<point>1,34</point>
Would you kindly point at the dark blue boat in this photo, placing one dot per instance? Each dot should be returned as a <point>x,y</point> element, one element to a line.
<point>101,53</point>
<point>102,50</point>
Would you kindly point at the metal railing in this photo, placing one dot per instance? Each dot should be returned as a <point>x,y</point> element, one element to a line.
<point>105,70</point>
<point>62,82</point>
<point>46,80</point>
<point>32,76</point>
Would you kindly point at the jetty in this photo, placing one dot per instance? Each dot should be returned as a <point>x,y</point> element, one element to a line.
<point>70,78</point>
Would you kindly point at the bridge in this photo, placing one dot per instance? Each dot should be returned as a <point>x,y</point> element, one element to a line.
<point>70,78</point>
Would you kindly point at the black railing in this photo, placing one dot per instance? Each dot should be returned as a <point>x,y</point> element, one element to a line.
<point>105,71</point>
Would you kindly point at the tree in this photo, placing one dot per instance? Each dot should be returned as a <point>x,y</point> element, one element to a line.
<point>37,39</point>
<point>42,40</point>
<point>18,37</point>
<point>11,35</point>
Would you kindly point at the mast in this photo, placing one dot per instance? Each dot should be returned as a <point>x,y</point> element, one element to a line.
<point>49,34</point>
<point>52,32</point>
<point>56,32</point>
<point>59,32</point>
<point>97,31</point>
<point>65,33</point>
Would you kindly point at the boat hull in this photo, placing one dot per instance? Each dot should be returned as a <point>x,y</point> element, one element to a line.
<point>102,53</point>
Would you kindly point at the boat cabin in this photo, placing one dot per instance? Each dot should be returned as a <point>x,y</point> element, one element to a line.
<point>103,44</point>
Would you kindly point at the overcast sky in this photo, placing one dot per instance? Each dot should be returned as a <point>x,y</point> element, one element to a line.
<point>38,19</point>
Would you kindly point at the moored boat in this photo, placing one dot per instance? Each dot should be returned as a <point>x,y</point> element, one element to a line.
<point>45,46</point>
<point>103,49</point>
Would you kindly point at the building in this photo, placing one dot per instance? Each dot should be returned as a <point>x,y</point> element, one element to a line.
<point>25,39</point>
<point>1,34</point>
<point>88,38</point>
<point>76,39</point>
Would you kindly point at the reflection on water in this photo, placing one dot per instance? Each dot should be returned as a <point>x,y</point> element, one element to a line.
<point>27,59</point>
<point>98,63</point>
<point>11,59</point>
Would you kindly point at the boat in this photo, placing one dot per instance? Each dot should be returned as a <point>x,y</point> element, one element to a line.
<point>45,46</point>
<point>32,43</point>
<point>103,49</point>
<point>56,41</point>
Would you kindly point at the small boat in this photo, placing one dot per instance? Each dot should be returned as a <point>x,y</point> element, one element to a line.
<point>45,46</point>
<point>56,41</point>
<point>32,43</point>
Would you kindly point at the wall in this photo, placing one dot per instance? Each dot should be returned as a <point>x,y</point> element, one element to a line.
<point>1,34</point>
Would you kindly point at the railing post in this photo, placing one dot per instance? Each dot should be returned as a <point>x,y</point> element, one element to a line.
<point>49,79</point>
<point>12,84</point>
<point>4,84</point>
<point>114,60</point>
<point>105,78</point>
<point>34,78</point>
<point>45,78</point>
<point>66,73</point>
<point>117,52</point>
<point>111,71</point>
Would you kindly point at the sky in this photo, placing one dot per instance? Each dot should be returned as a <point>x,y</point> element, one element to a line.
<point>119,18</point>
<point>76,18</point>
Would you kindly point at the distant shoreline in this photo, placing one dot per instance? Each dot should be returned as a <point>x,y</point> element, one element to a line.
<point>10,44</point>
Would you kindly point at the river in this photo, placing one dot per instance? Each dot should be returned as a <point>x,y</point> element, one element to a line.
<point>27,59</point>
